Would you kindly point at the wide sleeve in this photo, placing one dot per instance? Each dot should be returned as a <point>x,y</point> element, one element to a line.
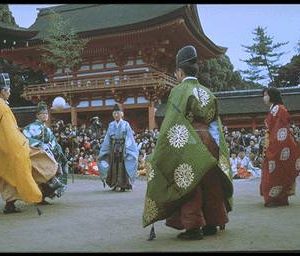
<point>278,127</point>
<point>105,146</point>
<point>56,148</point>
<point>15,165</point>
<point>197,111</point>
<point>131,148</point>
<point>33,132</point>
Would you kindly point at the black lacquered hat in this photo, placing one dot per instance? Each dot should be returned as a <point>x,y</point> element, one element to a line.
<point>42,107</point>
<point>116,108</point>
<point>186,54</point>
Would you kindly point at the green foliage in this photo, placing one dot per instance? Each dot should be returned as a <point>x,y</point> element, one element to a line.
<point>63,47</point>
<point>298,47</point>
<point>19,78</point>
<point>218,75</point>
<point>6,15</point>
<point>289,74</point>
<point>263,57</point>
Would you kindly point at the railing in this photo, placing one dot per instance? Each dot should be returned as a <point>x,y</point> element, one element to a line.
<point>115,81</point>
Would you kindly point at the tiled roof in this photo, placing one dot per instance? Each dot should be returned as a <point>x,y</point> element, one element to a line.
<point>15,31</point>
<point>11,27</point>
<point>248,102</point>
<point>99,19</point>
<point>89,17</point>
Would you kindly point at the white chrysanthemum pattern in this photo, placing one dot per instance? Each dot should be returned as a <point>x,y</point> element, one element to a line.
<point>275,191</point>
<point>151,175</point>
<point>184,175</point>
<point>272,166</point>
<point>224,164</point>
<point>285,154</point>
<point>297,164</point>
<point>151,210</point>
<point>282,134</point>
<point>149,171</point>
<point>202,96</point>
<point>178,136</point>
<point>275,110</point>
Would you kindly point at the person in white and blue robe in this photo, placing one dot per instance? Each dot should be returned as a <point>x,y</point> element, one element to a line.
<point>118,156</point>
<point>41,136</point>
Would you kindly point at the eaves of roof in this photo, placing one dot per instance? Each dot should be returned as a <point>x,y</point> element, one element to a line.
<point>101,19</point>
<point>16,31</point>
<point>247,104</point>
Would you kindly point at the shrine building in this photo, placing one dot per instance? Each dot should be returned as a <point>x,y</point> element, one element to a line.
<point>129,58</point>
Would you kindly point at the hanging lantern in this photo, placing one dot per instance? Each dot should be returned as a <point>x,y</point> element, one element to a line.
<point>59,103</point>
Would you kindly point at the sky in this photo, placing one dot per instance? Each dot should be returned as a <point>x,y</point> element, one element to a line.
<point>227,25</point>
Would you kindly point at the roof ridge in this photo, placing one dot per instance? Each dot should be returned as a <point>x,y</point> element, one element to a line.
<point>64,8</point>
<point>12,26</point>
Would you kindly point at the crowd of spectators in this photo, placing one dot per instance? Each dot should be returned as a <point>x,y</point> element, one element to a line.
<point>247,149</point>
<point>82,144</point>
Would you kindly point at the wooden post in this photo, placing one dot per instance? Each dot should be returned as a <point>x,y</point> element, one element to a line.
<point>151,116</point>
<point>48,123</point>
<point>73,103</point>
<point>73,115</point>
<point>253,123</point>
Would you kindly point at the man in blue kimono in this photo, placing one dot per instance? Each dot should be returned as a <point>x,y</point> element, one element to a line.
<point>41,136</point>
<point>118,156</point>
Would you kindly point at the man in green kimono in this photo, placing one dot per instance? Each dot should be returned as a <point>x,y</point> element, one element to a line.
<point>189,174</point>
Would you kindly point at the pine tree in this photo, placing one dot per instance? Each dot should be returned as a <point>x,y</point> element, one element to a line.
<point>16,73</point>
<point>263,57</point>
<point>63,48</point>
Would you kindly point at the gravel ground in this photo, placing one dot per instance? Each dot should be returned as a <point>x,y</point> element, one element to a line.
<point>90,218</point>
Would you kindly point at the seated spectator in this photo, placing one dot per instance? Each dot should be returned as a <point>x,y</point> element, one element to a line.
<point>253,166</point>
<point>83,163</point>
<point>141,166</point>
<point>252,148</point>
<point>242,166</point>
<point>233,162</point>
<point>92,167</point>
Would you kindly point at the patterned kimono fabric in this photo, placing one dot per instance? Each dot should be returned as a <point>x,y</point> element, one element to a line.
<point>39,135</point>
<point>206,206</point>
<point>281,164</point>
<point>189,174</point>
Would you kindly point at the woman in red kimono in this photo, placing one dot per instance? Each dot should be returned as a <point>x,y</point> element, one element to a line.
<point>281,163</point>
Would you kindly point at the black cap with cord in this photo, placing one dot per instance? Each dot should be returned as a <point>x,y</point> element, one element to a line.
<point>186,54</point>
<point>116,108</point>
<point>42,107</point>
